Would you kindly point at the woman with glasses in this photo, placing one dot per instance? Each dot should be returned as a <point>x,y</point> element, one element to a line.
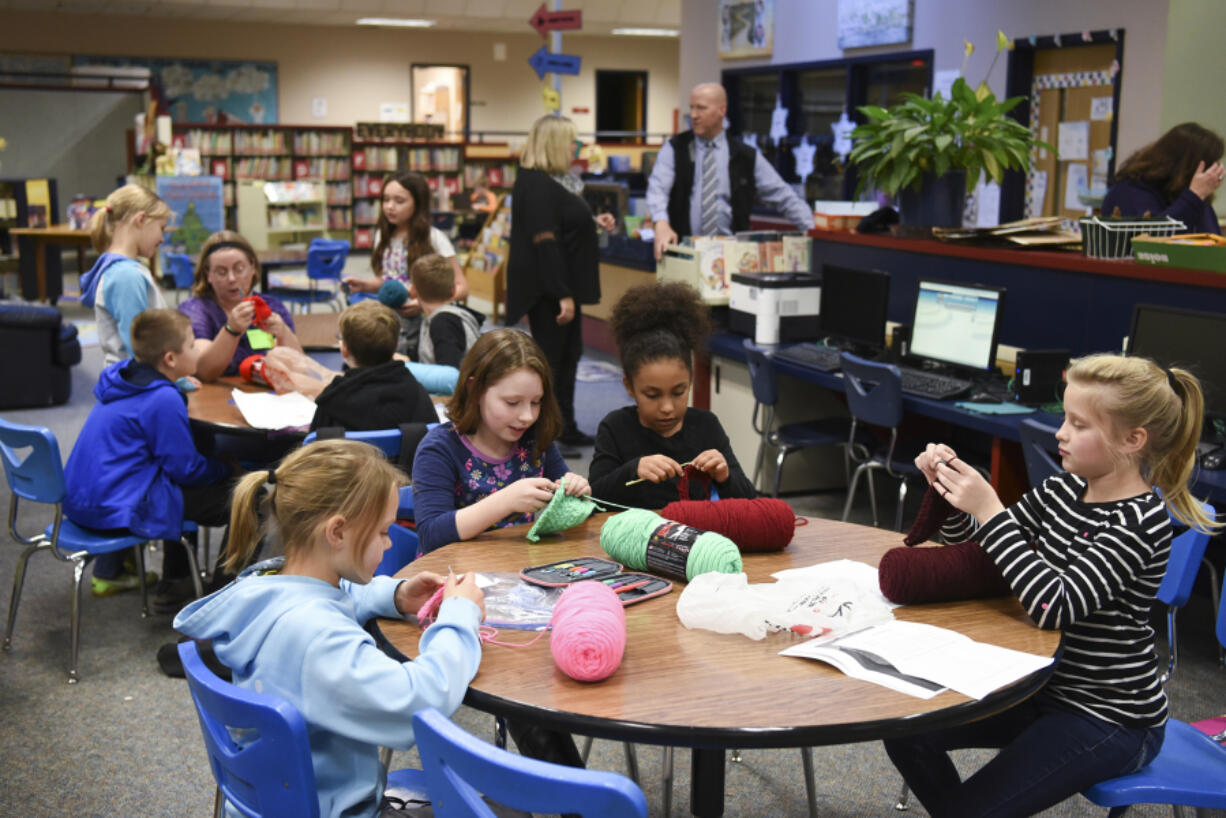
<point>228,326</point>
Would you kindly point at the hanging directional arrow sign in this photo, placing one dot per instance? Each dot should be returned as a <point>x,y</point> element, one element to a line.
<point>545,21</point>
<point>544,63</point>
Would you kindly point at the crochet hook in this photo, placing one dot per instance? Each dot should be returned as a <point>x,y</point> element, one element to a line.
<point>641,479</point>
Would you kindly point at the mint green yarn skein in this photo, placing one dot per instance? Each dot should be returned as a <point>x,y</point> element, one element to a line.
<point>624,538</point>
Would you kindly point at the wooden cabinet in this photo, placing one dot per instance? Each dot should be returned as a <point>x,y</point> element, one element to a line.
<point>271,214</point>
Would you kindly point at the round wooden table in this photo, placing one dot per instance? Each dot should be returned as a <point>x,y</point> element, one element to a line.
<point>220,430</point>
<point>710,691</point>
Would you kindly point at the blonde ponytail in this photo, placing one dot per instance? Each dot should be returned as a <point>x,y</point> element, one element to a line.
<point>1169,406</point>
<point>326,478</point>
<point>122,204</point>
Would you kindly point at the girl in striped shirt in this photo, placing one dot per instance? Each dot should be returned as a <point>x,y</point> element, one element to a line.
<point>1084,552</point>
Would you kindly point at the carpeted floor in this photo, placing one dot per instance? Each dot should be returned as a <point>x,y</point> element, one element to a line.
<point>125,740</point>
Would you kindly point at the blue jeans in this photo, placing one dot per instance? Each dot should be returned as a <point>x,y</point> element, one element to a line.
<point>1048,752</point>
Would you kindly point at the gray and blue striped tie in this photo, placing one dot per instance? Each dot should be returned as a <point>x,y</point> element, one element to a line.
<point>710,191</point>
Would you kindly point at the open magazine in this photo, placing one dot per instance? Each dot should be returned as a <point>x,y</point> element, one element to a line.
<point>921,660</point>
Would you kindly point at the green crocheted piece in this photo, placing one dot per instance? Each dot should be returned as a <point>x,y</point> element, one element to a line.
<point>563,512</point>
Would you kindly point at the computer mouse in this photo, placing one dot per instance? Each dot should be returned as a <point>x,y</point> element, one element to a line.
<point>1214,460</point>
<point>983,397</point>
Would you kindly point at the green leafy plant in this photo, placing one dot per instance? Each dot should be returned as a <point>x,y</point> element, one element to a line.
<point>901,146</point>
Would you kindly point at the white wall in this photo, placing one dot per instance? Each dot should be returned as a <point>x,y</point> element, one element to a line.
<point>807,31</point>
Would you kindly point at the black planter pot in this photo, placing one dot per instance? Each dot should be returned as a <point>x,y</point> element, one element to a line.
<point>938,202</point>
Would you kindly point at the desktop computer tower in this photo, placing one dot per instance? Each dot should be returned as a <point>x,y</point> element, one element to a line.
<point>1039,378</point>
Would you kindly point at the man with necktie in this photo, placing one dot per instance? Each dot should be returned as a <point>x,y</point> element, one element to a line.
<point>704,184</point>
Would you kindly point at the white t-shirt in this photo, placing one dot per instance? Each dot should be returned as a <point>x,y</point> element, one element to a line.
<point>395,259</point>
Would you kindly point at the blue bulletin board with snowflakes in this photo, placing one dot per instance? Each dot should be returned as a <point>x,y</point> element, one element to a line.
<point>208,90</point>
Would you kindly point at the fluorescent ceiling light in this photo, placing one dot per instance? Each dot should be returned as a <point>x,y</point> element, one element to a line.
<point>646,32</point>
<point>402,22</point>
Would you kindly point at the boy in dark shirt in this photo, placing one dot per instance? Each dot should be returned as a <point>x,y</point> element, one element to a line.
<point>376,392</point>
<point>447,329</point>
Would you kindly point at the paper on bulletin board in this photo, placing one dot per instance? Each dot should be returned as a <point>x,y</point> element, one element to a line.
<point>1038,187</point>
<point>1077,181</point>
<point>1073,141</point>
<point>1101,108</point>
<point>988,199</point>
<point>394,112</point>
<point>943,82</point>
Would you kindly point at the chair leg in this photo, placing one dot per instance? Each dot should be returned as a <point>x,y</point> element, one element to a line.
<point>757,463</point>
<point>632,762</point>
<point>904,799</point>
<point>385,757</point>
<point>872,494</point>
<point>851,490</point>
<point>204,538</point>
<point>78,571</point>
<point>1172,645</point>
<point>219,804</point>
<point>500,732</point>
<point>587,748</point>
<point>19,578</point>
<point>902,501</point>
<point>783,453</point>
<point>140,573</point>
<point>806,759</point>
<point>666,780</point>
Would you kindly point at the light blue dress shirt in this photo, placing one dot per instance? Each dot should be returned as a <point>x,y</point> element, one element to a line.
<point>770,187</point>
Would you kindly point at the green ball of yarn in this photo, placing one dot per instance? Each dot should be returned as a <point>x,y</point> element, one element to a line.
<point>563,512</point>
<point>625,536</point>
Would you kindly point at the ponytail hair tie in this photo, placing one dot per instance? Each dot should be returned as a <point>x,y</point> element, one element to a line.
<point>272,477</point>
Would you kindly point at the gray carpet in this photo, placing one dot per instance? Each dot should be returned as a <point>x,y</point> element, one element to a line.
<point>125,741</point>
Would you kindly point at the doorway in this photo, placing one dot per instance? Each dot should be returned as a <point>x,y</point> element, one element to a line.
<point>621,105</point>
<point>440,96</point>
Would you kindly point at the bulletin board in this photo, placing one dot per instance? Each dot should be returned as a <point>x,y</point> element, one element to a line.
<point>1072,107</point>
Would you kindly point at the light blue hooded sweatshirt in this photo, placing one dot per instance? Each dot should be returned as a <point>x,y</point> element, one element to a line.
<point>301,639</point>
<point>118,288</point>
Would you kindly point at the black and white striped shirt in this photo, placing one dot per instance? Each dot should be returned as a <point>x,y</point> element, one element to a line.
<point>1093,572</point>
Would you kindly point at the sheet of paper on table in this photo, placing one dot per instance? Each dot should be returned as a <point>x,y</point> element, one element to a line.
<point>924,652</point>
<point>266,410</point>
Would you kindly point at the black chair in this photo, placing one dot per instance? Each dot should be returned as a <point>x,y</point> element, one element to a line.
<point>41,374</point>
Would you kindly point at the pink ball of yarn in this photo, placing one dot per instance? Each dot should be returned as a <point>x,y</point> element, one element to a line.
<point>589,632</point>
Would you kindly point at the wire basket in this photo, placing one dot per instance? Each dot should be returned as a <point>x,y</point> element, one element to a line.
<point>1112,238</point>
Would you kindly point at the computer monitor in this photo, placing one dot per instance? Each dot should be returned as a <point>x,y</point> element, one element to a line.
<point>1187,339</point>
<point>853,308</point>
<point>957,324</point>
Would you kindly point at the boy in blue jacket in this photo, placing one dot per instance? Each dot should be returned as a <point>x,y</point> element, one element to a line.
<point>135,469</point>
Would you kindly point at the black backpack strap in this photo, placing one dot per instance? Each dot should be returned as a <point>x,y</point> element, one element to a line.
<point>411,435</point>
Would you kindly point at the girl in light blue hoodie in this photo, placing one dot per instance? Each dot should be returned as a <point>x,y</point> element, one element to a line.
<point>292,626</point>
<point>119,287</point>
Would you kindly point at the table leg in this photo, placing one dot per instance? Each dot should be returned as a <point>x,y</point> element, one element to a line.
<point>707,782</point>
<point>40,266</point>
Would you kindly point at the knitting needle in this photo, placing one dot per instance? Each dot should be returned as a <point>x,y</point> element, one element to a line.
<point>641,479</point>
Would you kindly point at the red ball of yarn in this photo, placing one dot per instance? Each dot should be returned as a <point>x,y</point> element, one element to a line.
<point>947,573</point>
<point>762,524</point>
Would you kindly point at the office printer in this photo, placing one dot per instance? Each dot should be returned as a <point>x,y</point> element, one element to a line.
<point>775,308</point>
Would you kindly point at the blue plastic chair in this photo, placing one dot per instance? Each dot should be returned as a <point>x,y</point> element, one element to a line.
<point>268,775</point>
<point>405,510</point>
<point>1038,449</point>
<point>460,768</point>
<point>179,268</point>
<point>1187,552</point>
<point>325,263</point>
<point>38,477</point>
<point>400,553</point>
<point>874,396</point>
<point>788,437</point>
<point>386,440</point>
<point>1189,770</point>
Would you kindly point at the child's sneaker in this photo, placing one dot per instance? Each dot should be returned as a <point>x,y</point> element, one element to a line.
<point>119,584</point>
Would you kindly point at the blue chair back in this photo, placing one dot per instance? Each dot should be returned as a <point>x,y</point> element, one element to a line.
<point>1187,550</point>
<point>874,390</point>
<point>270,773</point>
<point>460,768</point>
<point>179,265</point>
<point>1038,449</point>
<point>405,510</point>
<point>400,553</point>
<point>39,475</point>
<point>386,440</point>
<point>326,258</point>
<point>761,374</point>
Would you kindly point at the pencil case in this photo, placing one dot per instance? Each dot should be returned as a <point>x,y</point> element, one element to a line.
<point>564,572</point>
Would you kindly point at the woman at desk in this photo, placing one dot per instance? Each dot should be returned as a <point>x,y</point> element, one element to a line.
<point>223,321</point>
<point>1176,176</point>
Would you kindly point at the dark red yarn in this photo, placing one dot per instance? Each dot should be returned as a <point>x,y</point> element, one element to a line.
<point>911,576</point>
<point>763,524</point>
<point>683,482</point>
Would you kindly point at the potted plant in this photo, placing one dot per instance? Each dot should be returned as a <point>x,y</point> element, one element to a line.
<point>930,152</point>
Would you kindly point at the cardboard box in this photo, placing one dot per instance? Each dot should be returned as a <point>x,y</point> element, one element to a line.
<point>1177,252</point>
<point>840,216</point>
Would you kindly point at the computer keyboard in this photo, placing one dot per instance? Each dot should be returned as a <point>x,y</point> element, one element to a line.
<point>931,385</point>
<point>815,357</point>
